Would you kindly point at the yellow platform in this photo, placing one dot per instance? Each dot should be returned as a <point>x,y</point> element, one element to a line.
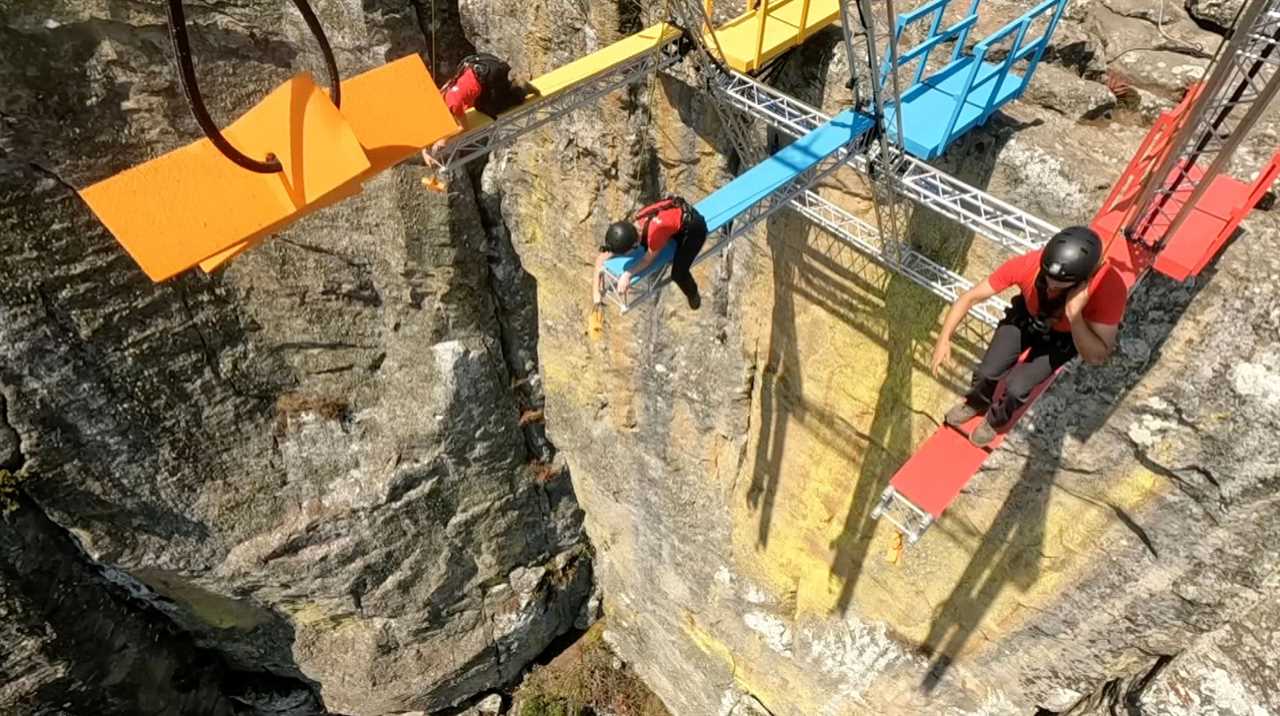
<point>586,67</point>
<point>748,43</point>
<point>394,110</point>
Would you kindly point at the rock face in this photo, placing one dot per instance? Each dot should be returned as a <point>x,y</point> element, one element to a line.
<point>308,469</point>
<point>728,460</point>
<point>318,478</point>
<point>1218,12</point>
<point>56,602</point>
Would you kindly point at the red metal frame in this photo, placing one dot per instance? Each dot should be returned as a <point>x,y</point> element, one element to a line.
<point>941,467</point>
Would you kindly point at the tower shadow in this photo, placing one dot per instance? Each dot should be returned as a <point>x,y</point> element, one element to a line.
<point>891,439</point>
<point>1008,556</point>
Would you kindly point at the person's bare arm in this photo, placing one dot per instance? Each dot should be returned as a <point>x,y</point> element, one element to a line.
<point>1094,341</point>
<point>597,282</point>
<point>975,295</point>
<point>624,283</point>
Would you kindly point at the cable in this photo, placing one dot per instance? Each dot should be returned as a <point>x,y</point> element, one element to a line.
<point>187,78</point>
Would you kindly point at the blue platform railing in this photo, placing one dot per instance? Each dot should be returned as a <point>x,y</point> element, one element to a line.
<point>941,106</point>
<point>958,31</point>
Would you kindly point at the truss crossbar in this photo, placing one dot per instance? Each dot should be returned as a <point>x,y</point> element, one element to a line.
<point>903,513</point>
<point>992,218</point>
<point>511,126</point>
<point>929,274</point>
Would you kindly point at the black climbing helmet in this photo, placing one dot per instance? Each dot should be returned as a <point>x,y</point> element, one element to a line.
<point>620,237</point>
<point>1071,255</point>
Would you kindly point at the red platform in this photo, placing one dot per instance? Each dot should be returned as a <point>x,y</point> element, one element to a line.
<point>941,467</point>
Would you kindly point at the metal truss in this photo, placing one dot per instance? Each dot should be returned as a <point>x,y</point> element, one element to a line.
<point>903,513</point>
<point>1241,82</point>
<point>991,217</point>
<point>762,209</point>
<point>932,188</point>
<point>512,125</point>
<point>988,216</point>
<point>884,93</point>
<point>929,274</point>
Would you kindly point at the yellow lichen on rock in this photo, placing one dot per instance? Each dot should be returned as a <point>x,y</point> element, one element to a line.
<point>843,396</point>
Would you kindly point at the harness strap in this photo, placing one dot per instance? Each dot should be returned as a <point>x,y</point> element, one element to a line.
<point>650,212</point>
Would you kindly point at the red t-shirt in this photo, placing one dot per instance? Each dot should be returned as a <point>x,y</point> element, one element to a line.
<point>1107,292</point>
<point>662,227</point>
<point>461,94</point>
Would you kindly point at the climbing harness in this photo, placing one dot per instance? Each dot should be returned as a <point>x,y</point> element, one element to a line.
<point>650,213</point>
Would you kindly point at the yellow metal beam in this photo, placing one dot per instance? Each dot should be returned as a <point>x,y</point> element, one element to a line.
<point>586,67</point>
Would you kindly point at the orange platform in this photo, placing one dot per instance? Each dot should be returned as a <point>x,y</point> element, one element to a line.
<point>194,205</point>
<point>395,110</point>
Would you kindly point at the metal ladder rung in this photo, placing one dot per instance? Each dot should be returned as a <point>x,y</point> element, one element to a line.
<point>915,523</point>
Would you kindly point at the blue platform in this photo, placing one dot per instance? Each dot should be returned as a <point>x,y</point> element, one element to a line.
<point>940,107</point>
<point>758,182</point>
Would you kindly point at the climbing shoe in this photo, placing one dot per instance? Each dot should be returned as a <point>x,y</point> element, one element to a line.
<point>961,413</point>
<point>695,300</point>
<point>983,434</point>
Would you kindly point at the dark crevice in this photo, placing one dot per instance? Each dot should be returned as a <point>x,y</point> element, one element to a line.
<point>16,459</point>
<point>1133,695</point>
<point>511,288</point>
<point>1185,486</point>
<point>206,350</point>
<point>1124,517</point>
<point>1121,695</point>
<point>54,176</point>
<point>630,17</point>
<point>105,641</point>
<point>554,648</point>
<point>444,42</point>
<point>1207,24</point>
<point>352,262</point>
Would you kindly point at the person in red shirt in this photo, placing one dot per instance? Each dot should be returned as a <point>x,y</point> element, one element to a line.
<point>1070,302</point>
<point>461,92</point>
<point>669,220</point>
<point>483,82</point>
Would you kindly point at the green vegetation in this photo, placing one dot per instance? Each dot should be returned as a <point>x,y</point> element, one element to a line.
<point>9,486</point>
<point>583,681</point>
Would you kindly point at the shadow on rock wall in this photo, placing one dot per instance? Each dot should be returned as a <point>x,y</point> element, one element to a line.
<point>1012,552</point>
<point>94,640</point>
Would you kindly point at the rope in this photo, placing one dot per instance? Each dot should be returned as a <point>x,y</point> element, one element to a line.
<point>187,78</point>
<point>653,78</point>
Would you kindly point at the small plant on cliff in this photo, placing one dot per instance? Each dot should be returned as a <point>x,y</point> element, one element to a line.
<point>586,679</point>
<point>540,705</point>
<point>9,486</point>
<point>291,405</point>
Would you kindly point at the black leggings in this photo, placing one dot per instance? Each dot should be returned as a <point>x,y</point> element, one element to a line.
<point>1048,353</point>
<point>503,95</point>
<point>688,245</point>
